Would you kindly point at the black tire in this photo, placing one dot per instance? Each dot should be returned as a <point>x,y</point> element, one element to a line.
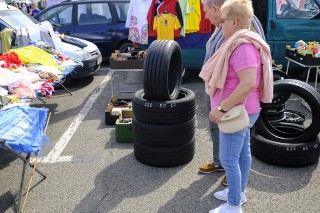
<point>164,156</point>
<point>162,71</point>
<point>65,81</point>
<point>126,47</point>
<point>312,98</point>
<point>156,135</point>
<point>279,75</point>
<point>186,73</point>
<point>280,98</point>
<point>295,117</point>
<point>284,154</point>
<point>274,113</point>
<point>164,112</point>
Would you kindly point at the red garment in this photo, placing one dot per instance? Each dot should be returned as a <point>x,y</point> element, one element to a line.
<point>171,6</point>
<point>205,24</point>
<point>11,58</point>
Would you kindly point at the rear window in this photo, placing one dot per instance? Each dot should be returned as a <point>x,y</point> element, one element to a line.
<point>17,19</point>
<point>94,13</point>
<point>299,9</point>
<point>122,10</point>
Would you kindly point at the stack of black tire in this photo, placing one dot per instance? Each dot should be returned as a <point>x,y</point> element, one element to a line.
<point>164,112</point>
<point>280,136</point>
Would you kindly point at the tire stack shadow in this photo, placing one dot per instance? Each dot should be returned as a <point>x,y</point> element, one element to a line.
<point>164,112</point>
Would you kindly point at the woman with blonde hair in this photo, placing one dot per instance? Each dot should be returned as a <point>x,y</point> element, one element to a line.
<point>238,73</point>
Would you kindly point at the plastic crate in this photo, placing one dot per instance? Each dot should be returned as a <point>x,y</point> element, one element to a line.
<point>124,132</point>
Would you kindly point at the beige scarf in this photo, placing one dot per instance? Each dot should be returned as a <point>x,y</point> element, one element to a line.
<point>214,72</point>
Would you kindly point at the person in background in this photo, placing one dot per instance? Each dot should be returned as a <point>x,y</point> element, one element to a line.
<point>15,4</point>
<point>42,4</point>
<point>24,8</point>
<point>213,13</point>
<point>240,72</point>
<point>34,9</point>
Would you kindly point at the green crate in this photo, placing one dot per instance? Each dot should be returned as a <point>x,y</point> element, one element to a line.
<point>124,132</point>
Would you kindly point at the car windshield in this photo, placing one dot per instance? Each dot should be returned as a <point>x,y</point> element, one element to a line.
<point>17,19</point>
<point>302,9</point>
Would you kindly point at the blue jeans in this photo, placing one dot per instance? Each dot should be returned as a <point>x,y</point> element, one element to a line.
<point>214,132</point>
<point>235,156</point>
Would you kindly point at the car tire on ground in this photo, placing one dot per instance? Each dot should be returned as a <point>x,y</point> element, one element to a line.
<point>165,112</point>
<point>186,73</point>
<point>310,96</point>
<point>158,135</point>
<point>162,71</point>
<point>284,154</point>
<point>164,156</point>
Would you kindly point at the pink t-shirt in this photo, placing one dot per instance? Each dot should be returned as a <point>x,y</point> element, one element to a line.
<point>243,57</point>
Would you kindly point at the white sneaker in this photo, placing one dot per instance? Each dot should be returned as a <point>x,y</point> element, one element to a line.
<point>227,208</point>
<point>223,195</point>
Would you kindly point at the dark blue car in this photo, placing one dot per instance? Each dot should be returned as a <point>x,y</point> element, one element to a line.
<point>99,21</point>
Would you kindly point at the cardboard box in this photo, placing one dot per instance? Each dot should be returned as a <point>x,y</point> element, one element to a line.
<point>126,64</point>
<point>112,113</point>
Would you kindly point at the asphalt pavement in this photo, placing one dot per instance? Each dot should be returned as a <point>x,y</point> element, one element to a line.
<point>90,172</point>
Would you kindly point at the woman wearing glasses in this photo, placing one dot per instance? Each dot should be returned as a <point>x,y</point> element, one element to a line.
<point>239,70</point>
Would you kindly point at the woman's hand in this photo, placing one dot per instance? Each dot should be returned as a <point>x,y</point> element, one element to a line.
<point>215,115</point>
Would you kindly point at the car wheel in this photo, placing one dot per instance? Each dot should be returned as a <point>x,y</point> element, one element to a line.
<point>126,47</point>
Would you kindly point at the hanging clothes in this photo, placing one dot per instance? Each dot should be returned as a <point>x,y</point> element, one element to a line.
<point>5,36</point>
<point>194,17</point>
<point>161,6</point>
<point>22,37</point>
<point>165,24</point>
<point>205,25</point>
<point>137,21</point>
<point>184,6</point>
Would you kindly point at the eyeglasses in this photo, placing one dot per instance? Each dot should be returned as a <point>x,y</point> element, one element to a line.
<point>224,19</point>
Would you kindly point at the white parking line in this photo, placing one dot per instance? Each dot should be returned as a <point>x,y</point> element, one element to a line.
<point>56,151</point>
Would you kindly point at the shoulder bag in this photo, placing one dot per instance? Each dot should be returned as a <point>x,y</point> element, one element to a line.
<point>235,119</point>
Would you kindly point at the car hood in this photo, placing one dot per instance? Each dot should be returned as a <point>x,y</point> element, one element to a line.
<point>65,47</point>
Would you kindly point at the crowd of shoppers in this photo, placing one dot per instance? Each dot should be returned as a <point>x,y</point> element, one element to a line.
<point>31,9</point>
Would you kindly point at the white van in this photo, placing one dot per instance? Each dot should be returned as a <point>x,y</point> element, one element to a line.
<point>23,24</point>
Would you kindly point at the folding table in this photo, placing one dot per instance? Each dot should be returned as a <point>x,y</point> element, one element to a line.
<point>316,66</point>
<point>22,130</point>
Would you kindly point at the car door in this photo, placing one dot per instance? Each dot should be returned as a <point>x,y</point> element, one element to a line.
<point>95,23</point>
<point>60,16</point>
<point>292,20</point>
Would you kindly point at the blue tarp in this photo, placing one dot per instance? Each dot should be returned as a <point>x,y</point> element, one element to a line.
<point>23,128</point>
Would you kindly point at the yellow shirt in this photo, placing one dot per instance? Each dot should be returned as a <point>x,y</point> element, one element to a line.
<point>5,36</point>
<point>193,17</point>
<point>165,24</point>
